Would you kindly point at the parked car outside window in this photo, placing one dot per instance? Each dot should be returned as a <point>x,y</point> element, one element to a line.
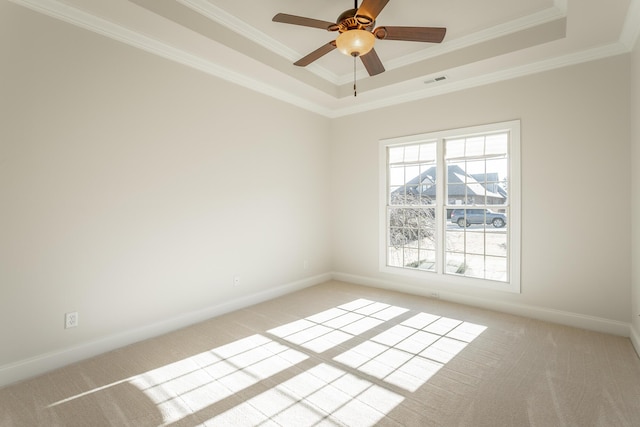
<point>478,216</point>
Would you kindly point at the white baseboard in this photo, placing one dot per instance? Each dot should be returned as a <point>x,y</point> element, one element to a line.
<point>550,315</point>
<point>27,368</point>
<point>635,339</point>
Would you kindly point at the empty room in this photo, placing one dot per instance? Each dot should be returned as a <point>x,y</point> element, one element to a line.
<point>343,213</point>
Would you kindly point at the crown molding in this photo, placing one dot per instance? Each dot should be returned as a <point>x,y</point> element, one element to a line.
<point>206,8</point>
<point>478,37</point>
<point>74,16</point>
<point>216,14</point>
<point>58,10</point>
<point>498,76</point>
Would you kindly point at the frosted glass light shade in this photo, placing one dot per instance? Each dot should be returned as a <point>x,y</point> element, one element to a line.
<point>355,42</point>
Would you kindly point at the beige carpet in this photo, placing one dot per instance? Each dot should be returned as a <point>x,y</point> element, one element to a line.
<point>338,354</point>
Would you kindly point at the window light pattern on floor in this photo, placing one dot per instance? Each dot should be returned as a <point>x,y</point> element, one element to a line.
<point>191,385</point>
<point>323,394</point>
<point>332,327</point>
<point>408,354</point>
<point>360,386</point>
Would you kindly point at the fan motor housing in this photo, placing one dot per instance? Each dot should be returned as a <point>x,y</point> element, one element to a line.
<point>349,21</point>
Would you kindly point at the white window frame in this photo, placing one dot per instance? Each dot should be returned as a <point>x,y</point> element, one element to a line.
<point>439,278</point>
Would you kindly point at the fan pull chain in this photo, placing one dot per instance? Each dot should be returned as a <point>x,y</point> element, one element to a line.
<point>355,93</point>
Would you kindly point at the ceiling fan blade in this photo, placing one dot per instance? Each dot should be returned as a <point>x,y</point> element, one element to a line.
<point>370,9</point>
<point>316,54</point>
<point>301,20</point>
<point>413,34</point>
<point>372,63</point>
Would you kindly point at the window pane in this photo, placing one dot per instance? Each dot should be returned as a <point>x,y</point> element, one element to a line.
<point>411,153</point>
<point>413,195</point>
<point>396,217</point>
<point>454,148</point>
<point>428,189</point>
<point>475,171</point>
<point>428,194</point>
<point>474,146</point>
<point>427,238</point>
<point>396,175</point>
<point>497,180</point>
<point>412,174</point>
<point>455,263</point>
<point>455,241</point>
<point>412,219</point>
<point>497,242</point>
<point>428,152</point>
<point>396,155</point>
<point>474,266</point>
<point>394,257</point>
<point>456,172</point>
<point>475,241</point>
<point>413,241</point>
<point>411,258</point>
<point>427,260</point>
<point>497,169</point>
<point>397,237</point>
<point>496,144</point>
<point>396,195</point>
<point>496,268</point>
<point>457,194</point>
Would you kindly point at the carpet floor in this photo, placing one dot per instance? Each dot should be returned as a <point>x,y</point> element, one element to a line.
<point>341,354</point>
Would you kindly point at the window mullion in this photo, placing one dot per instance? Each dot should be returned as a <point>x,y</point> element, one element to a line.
<point>441,203</point>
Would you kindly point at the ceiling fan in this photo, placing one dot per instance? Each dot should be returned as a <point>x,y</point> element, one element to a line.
<point>357,34</point>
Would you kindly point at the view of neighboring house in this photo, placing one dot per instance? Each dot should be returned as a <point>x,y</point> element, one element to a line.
<point>462,188</point>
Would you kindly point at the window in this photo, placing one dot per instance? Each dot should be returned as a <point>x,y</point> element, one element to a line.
<point>450,206</point>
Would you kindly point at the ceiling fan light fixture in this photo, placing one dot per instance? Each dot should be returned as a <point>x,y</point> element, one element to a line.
<point>355,42</point>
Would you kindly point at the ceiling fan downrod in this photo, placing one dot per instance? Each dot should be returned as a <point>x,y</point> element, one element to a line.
<point>355,93</point>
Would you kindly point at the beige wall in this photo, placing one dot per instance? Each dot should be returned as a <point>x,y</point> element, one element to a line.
<point>575,144</point>
<point>134,189</point>
<point>635,167</point>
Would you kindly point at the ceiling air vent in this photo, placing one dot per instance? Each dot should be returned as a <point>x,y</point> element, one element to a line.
<point>435,80</point>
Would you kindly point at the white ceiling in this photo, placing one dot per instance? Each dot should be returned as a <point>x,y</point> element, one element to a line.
<point>486,41</point>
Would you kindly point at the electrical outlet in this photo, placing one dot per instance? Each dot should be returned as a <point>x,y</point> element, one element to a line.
<point>305,264</point>
<point>434,294</point>
<point>236,280</point>
<point>71,320</point>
